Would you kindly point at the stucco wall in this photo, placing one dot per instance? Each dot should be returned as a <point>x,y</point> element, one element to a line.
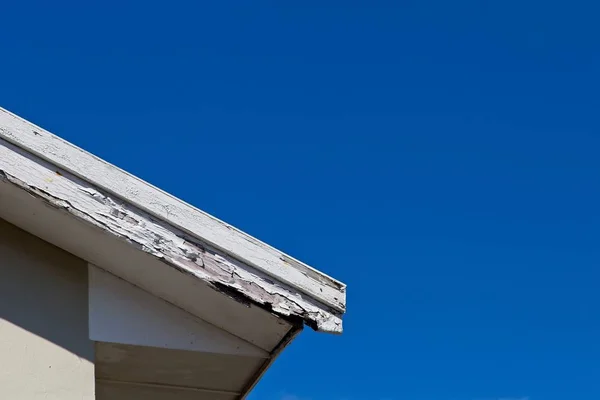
<point>45,352</point>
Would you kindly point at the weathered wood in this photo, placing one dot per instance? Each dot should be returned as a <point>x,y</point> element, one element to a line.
<point>164,241</point>
<point>250,322</point>
<point>109,182</point>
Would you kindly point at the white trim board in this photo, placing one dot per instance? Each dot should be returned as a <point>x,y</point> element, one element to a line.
<point>40,164</point>
<point>120,312</point>
<point>61,228</point>
<point>160,204</point>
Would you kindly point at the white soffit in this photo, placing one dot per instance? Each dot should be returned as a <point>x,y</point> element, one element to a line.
<point>178,234</point>
<point>120,312</point>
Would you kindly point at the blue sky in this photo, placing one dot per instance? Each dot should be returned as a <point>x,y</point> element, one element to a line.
<point>439,157</point>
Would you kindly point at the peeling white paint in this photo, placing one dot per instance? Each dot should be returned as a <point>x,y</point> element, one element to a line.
<point>106,178</point>
<point>176,248</point>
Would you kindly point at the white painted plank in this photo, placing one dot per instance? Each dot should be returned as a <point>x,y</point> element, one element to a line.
<point>176,367</point>
<point>120,312</point>
<point>118,390</point>
<point>86,241</point>
<point>176,212</point>
<point>173,247</point>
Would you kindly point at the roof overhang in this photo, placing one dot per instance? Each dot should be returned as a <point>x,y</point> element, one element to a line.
<point>159,243</point>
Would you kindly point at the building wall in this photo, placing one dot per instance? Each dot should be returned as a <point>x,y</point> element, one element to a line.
<point>45,351</point>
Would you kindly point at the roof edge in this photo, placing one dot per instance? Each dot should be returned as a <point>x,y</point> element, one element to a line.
<point>196,223</point>
<point>134,245</point>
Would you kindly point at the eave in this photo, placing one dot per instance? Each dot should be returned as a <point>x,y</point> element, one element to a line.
<point>160,243</point>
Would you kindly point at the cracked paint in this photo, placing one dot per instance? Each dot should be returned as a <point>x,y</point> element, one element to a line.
<point>62,155</point>
<point>160,239</point>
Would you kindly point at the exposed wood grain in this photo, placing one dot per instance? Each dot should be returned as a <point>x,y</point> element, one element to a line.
<point>250,322</point>
<point>187,254</point>
<point>118,184</point>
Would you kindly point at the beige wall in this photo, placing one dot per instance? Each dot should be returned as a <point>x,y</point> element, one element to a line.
<point>45,352</point>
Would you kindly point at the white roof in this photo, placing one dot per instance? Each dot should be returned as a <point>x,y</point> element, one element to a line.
<point>180,238</point>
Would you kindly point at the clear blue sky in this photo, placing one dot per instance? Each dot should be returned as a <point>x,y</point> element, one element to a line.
<point>440,157</point>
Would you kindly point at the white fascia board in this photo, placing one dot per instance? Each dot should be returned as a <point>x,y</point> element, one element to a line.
<point>113,199</point>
